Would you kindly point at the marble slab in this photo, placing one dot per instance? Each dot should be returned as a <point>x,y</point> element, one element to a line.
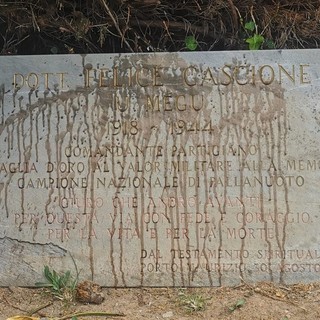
<point>161,169</point>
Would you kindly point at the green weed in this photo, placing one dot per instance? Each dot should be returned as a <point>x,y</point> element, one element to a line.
<point>255,40</point>
<point>240,303</point>
<point>192,302</point>
<point>191,43</point>
<point>62,286</point>
<point>253,37</point>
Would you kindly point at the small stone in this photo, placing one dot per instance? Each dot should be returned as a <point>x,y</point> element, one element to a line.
<point>168,314</point>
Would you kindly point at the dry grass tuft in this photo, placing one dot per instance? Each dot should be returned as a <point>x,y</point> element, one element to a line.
<point>66,26</point>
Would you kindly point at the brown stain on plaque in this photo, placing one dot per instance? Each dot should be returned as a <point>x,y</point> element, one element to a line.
<point>93,117</point>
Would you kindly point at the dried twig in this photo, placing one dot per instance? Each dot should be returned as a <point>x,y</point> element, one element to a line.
<point>13,306</point>
<point>116,24</point>
<point>34,311</point>
<point>266,294</point>
<point>87,314</point>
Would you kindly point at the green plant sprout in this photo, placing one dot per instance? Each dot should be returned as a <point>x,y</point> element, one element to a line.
<point>192,302</point>
<point>191,43</point>
<point>255,40</point>
<point>62,286</point>
<point>240,303</point>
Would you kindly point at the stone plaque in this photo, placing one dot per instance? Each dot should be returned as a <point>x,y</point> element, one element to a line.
<point>162,169</point>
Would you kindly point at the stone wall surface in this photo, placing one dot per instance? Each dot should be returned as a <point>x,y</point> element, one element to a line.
<point>161,169</point>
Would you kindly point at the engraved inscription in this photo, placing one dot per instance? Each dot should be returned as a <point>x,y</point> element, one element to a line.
<point>163,169</point>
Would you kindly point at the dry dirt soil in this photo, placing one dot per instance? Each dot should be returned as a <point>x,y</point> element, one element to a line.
<point>262,301</point>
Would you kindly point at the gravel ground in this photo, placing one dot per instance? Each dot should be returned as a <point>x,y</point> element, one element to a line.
<point>263,301</point>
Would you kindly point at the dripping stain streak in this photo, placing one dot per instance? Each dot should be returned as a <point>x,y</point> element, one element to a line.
<point>234,124</point>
